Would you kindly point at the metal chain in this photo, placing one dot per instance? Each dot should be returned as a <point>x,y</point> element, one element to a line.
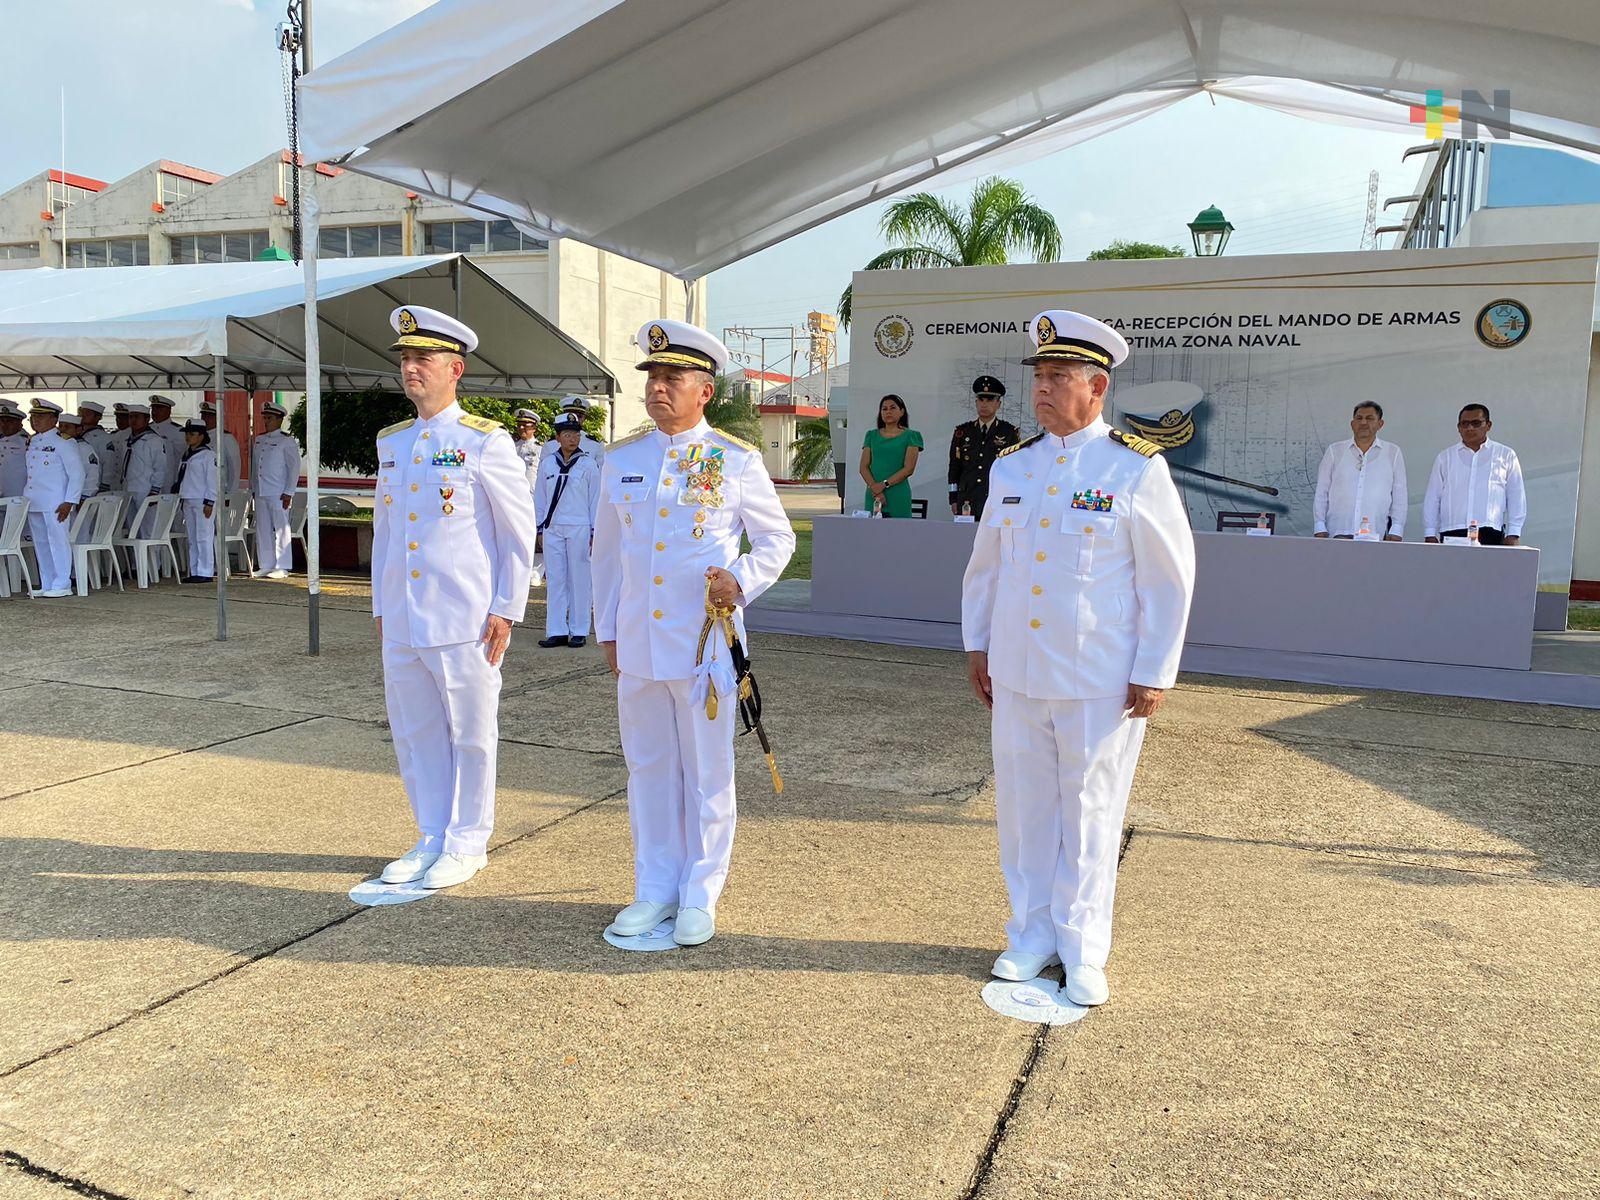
<point>289,47</point>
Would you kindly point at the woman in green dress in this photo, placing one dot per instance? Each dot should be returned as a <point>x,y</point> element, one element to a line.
<point>888,456</point>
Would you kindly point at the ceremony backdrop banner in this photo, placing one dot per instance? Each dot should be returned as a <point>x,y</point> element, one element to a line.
<point>1247,368</point>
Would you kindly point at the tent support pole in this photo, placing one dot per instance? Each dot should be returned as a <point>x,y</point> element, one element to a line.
<point>220,566</point>
<point>309,242</point>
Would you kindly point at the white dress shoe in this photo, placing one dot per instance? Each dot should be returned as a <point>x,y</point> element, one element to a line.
<point>451,869</point>
<point>640,917</point>
<point>277,574</point>
<point>410,866</point>
<point>1019,965</point>
<point>694,926</point>
<point>1086,986</point>
<point>55,593</point>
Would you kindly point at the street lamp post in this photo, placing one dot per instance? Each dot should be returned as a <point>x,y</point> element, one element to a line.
<point>1210,230</point>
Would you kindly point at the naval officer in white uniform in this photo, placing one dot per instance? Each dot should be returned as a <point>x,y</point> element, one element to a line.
<point>13,451</point>
<point>673,504</point>
<point>566,501</point>
<point>274,475</point>
<point>232,464</point>
<point>1073,611</point>
<point>452,545</point>
<point>55,484</point>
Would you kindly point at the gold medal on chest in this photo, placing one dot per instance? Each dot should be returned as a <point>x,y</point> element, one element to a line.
<point>699,532</point>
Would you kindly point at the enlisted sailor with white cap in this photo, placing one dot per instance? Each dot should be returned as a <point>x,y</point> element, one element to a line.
<point>565,504</point>
<point>578,406</point>
<point>13,450</point>
<point>274,475</point>
<point>55,483</point>
<point>144,465</point>
<point>91,431</point>
<point>114,456</point>
<point>162,424</point>
<point>1073,611</point>
<point>71,427</point>
<point>674,503</point>
<point>232,464</point>
<point>197,495</point>
<point>528,445</point>
<point>452,545</point>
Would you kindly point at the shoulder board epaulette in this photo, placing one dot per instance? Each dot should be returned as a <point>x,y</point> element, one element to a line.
<point>1022,445</point>
<point>482,424</point>
<point>740,442</point>
<point>1136,443</point>
<point>396,427</point>
<point>632,437</point>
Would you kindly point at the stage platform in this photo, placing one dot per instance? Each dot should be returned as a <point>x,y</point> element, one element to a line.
<point>1565,666</point>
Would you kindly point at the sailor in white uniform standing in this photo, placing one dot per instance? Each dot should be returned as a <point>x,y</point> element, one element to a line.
<point>197,495</point>
<point>95,435</point>
<point>452,545</point>
<point>578,406</point>
<point>674,502</point>
<point>13,451</point>
<point>232,464</point>
<point>1073,611</point>
<point>162,424</point>
<point>274,475</point>
<point>144,466</point>
<point>115,454</point>
<point>565,503</point>
<point>55,483</point>
<point>70,426</point>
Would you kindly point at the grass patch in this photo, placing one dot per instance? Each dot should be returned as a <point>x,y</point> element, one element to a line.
<point>800,565</point>
<point>1585,618</point>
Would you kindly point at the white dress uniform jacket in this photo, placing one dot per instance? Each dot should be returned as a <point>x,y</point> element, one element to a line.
<point>13,464</point>
<point>529,452</point>
<point>113,458</point>
<point>1485,487</point>
<point>197,487</point>
<point>452,543</point>
<point>1079,584</point>
<point>91,467</point>
<point>145,467</point>
<point>171,435</point>
<point>566,513</point>
<point>1353,486</point>
<point>232,463</point>
<point>654,537</point>
<point>274,474</point>
<point>98,439</point>
<point>55,477</point>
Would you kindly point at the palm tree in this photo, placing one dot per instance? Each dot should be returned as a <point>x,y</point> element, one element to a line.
<point>812,449</point>
<point>933,232</point>
<point>734,412</point>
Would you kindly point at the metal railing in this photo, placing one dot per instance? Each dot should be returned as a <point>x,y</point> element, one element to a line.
<point>1450,192</point>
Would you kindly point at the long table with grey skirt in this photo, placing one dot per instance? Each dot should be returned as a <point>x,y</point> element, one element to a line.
<point>1395,601</point>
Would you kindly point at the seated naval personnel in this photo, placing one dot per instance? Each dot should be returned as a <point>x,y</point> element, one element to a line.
<point>452,545</point>
<point>1475,489</point>
<point>673,504</point>
<point>974,445</point>
<point>1073,610</point>
<point>1361,483</point>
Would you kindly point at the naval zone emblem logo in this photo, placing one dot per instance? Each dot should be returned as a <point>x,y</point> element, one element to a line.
<point>892,336</point>
<point>408,323</point>
<point>1503,324</point>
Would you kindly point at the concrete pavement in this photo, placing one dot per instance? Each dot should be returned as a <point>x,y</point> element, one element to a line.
<point>1356,941</point>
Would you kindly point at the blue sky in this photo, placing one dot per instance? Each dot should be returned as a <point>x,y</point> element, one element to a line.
<point>199,81</point>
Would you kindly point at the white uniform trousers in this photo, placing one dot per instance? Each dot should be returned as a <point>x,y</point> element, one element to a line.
<point>201,531</point>
<point>680,791</point>
<point>1063,769</point>
<point>570,595</point>
<point>444,704</point>
<point>52,546</point>
<point>274,547</point>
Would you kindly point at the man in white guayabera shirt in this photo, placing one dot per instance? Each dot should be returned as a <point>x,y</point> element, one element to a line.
<point>1475,488</point>
<point>1361,484</point>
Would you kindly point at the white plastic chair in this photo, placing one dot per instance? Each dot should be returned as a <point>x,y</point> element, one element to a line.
<point>297,522</point>
<point>234,510</point>
<point>13,520</point>
<point>147,550</point>
<point>95,541</point>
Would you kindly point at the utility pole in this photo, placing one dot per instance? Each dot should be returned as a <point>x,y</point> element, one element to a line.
<point>1369,231</point>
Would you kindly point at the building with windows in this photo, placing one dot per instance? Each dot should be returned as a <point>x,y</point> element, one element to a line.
<point>170,213</point>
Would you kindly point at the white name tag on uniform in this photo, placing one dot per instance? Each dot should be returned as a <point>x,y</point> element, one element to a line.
<point>1458,541</point>
<point>1257,531</point>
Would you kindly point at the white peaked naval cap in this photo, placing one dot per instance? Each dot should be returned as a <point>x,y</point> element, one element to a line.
<point>678,344</point>
<point>429,329</point>
<point>1060,335</point>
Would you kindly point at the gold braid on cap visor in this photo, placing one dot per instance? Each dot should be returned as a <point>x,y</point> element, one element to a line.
<point>423,341</point>
<point>674,356</point>
<point>1073,350</point>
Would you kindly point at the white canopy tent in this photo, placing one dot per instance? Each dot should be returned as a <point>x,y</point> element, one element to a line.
<point>241,325</point>
<point>691,133</point>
